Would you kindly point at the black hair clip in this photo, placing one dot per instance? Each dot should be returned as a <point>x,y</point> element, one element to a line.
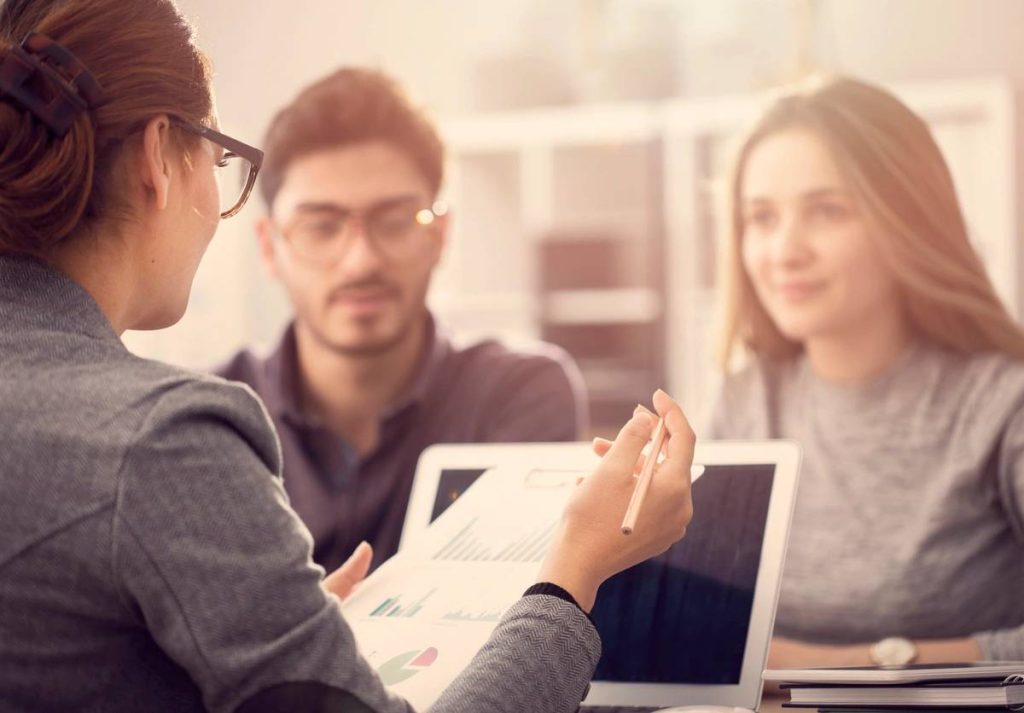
<point>49,81</point>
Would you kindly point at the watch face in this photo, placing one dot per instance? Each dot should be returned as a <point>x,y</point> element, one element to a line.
<point>894,651</point>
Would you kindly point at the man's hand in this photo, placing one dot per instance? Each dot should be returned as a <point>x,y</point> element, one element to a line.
<point>343,580</point>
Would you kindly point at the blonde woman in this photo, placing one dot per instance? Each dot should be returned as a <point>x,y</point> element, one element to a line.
<point>871,335</point>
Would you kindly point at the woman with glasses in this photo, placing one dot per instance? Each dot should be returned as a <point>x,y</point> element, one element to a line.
<point>148,557</point>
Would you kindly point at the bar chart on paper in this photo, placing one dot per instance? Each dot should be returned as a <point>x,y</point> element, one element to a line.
<point>488,615</point>
<point>467,546</point>
<point>393,606</point>
<point>422,598</point>
<point>424,613</point>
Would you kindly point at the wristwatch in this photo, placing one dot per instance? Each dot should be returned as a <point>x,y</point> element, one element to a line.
<point>893,651</point>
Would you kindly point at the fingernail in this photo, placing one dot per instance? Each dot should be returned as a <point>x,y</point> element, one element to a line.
<point>661,391</point>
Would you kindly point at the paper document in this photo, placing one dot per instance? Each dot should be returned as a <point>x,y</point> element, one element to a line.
<point>422,616</point>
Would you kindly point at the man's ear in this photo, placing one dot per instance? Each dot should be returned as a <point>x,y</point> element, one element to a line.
<point>268,251</point>
<point>156,160</point>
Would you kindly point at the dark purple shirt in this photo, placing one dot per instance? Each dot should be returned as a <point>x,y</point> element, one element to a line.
<point>482,393</point>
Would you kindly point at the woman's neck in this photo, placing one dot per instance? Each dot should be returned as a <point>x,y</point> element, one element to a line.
<point>103,271</point>
<point>857,355</point>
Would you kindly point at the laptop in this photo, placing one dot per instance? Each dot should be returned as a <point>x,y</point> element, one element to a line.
<point>691,627</point>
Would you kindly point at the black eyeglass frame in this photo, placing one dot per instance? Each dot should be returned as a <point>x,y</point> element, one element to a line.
<point>234,147</point>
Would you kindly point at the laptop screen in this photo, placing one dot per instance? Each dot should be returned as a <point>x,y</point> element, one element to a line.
<point>683,617</point>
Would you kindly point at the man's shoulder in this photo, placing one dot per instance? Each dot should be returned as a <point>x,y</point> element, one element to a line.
<point>248,366</point>
<point>533,391</point>
<point>495,361</point>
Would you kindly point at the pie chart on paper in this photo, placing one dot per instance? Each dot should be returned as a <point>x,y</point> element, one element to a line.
<point>405,666</point>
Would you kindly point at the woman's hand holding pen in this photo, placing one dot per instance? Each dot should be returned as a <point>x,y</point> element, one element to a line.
<point>590,546</point>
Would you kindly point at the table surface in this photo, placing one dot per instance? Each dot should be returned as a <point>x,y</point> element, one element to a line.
<point>771,703</point>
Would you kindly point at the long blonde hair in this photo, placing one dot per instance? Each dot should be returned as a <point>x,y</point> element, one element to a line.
<point>897,173</point>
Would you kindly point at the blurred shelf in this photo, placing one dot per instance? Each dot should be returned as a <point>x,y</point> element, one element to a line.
<point>616,382</point>
<point>602,220</point>
<point>622,305</point>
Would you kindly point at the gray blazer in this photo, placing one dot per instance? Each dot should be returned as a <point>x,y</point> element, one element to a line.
<point>148,556</point>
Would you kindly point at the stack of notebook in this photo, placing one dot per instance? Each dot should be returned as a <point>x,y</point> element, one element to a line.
<point>944,687</point>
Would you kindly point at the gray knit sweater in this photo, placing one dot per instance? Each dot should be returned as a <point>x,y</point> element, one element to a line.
<point>148,556</point>
<point>910,512</point>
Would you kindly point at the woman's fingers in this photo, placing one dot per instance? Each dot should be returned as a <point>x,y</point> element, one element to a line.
<point>622,455</point>
<point>647,411</point>
<point>601,446</point>
<point>675,423</point>
<point>681,439</point>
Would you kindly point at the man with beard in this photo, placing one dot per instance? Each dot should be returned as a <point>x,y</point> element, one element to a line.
<point>364,379</point>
